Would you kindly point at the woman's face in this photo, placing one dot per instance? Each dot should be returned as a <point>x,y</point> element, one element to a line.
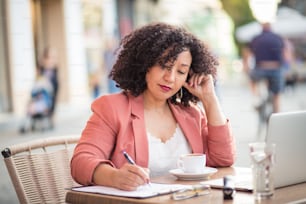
<point>163,83</point>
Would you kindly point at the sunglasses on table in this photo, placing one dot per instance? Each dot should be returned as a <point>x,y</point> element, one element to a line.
<point>196,190</point>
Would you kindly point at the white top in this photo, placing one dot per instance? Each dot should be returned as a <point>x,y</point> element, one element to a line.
<point>163,156</point>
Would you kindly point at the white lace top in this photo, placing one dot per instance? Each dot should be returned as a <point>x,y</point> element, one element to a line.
<point>163,156</point>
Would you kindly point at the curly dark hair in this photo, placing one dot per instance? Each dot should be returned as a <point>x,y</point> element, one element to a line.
<point>158,43</point>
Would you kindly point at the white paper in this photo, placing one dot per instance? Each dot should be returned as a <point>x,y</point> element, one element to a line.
<point>144,191</point>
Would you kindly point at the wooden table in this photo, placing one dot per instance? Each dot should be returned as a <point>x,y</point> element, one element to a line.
<point>281,195</point>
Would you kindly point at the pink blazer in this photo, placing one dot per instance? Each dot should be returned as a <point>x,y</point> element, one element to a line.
<point>117,124</point>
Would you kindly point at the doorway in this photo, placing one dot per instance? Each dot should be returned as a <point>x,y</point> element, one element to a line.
<point>49,31</point>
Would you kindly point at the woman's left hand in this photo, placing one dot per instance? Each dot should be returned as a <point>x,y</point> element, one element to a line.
<point>201,86</point>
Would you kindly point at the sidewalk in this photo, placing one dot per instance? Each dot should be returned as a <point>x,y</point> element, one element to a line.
<point>69,119</point>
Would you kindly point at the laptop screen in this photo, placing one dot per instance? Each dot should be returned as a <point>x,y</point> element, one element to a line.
<point>288,131</point>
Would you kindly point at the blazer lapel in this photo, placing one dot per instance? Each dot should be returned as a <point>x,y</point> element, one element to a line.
<point>190,128</point>
<point>140,135</point>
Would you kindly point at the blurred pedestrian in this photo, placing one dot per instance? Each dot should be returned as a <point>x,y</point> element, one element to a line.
<point>94,80</point>
<point>290,74</point>
<point>48,67</point>
<point>267,49</point>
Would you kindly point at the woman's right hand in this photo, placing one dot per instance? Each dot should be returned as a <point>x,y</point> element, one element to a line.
<point>128,177</point>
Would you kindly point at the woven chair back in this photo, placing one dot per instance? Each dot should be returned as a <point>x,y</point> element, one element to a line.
<point>40,169</point>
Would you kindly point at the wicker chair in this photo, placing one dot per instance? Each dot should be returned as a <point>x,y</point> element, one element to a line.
<point>40,169</point>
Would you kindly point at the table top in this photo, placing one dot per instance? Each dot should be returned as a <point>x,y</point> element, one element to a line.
<point>282,195</point>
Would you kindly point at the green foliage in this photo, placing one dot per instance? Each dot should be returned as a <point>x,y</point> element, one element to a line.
<point>238,10</point>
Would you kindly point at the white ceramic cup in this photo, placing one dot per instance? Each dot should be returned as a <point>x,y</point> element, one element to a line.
<point>192,163</point>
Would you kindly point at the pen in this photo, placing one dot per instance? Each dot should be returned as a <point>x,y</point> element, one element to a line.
<point>131,161</point>
<point>128,158</point>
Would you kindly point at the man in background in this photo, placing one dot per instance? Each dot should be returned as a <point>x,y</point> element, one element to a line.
<point>267,49</point>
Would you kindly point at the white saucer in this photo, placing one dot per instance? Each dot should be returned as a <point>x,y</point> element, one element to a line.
<point>207,171</point>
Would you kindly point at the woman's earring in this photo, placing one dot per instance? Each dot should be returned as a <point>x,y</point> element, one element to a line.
<point>179,96</point>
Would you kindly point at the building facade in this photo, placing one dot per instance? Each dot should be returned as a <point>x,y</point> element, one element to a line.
<point>79,30</point>
<point>26,28</point>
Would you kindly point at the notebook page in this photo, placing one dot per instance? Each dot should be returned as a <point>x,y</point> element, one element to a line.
<point>144,191</point>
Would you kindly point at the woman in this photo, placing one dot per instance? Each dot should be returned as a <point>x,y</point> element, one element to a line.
<point>48,68</point>
<point>163,71</point>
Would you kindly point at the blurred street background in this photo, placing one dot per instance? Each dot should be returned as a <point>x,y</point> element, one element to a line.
<point>85,34</point>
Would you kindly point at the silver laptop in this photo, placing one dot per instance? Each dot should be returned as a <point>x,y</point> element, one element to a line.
<point>288,131</point>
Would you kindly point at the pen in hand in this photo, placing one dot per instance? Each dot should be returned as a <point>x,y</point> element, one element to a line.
<point>128,158</point>
<point>131,161</point>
